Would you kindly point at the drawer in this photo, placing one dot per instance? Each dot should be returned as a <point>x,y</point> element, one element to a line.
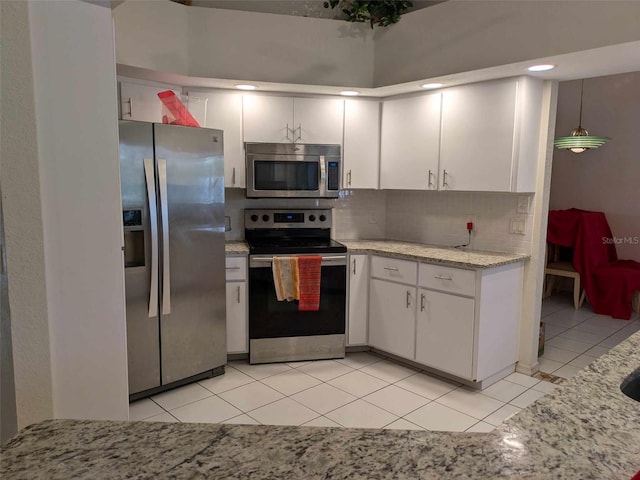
<point>448,279</point>
<point>388,268</point>
<point>236,268</point>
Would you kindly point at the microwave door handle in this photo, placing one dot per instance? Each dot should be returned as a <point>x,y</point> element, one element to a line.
<point>164,213</point>
<point>153,223</point>
<point>323,177</point>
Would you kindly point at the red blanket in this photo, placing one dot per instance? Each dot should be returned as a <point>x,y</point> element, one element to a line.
<point>309,281</point>
<point>609,283</point>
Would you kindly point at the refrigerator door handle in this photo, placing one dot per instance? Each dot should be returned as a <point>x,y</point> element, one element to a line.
<point>164,214</point>
<point>153,220</point>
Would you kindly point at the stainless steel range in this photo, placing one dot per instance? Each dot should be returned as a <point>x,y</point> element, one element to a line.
<point>278,331</point>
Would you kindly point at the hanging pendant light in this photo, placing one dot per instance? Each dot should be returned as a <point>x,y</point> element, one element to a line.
<point>579,139</point>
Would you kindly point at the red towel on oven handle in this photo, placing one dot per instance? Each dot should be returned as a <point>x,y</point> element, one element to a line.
<point>309,268</point>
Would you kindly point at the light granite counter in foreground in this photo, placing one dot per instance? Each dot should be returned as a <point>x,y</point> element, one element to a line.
<point>433,254</point>
<point>585,429</point>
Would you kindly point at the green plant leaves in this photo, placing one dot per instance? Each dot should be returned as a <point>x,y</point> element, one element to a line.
<point>376,12</point>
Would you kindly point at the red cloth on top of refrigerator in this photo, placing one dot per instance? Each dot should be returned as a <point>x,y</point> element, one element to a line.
<point>309,268</point>
<point>606,280</point>
<point>176,113</point>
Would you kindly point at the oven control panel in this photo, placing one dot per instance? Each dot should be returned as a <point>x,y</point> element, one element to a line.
<point>287,218</point>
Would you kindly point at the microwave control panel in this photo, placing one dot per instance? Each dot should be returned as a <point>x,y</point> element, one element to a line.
<point>333,175</point>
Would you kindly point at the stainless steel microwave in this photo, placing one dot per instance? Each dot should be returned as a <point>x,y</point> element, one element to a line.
<point>293,170</point>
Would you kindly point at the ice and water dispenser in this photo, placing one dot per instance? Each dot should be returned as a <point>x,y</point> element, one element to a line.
<point>133,238</point>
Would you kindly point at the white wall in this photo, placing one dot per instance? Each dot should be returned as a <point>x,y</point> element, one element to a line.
<point>217,43</point>
<point>460,36</point>
<point>606,179</point>
<point>76,119</point>
<point>21,205</point>
<point>278,48</point>
<point>152,34</point>
<point>439,218</point>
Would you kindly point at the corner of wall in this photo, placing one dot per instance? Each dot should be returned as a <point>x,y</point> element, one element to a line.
<point>24,231</point>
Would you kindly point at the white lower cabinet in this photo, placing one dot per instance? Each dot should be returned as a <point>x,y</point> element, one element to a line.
<point>392,318</point>
<point>237,320</point>
<point>458,321</point>
<point>444,332</point>
<point>358,299</point>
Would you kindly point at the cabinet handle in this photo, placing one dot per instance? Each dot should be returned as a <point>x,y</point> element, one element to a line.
<point>444,179</point>
<point>233,176</point>
<point>354,266</point>
<point>440,277</point>
<point>130,102</point>
<point>422,299</point>
<point>430,176</point>
<point>391,269</point>
<point>288,133</point>
<point>299,137</point>
<point>232,268</point>
<point>238,293</point>
<point>408,298</point>
<point>349,178</point>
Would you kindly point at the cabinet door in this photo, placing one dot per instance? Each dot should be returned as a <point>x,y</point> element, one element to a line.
<point>444,333</point>
<point>358,299</point>
<point>392,318</point>
<point>224,112</point>
<point>477,136</point>
<point>267,119</point>
<point>318,120</point>
<point>237,330</point>
<point>361,152</point>
<point>410,143</point>
<point>141,102</point>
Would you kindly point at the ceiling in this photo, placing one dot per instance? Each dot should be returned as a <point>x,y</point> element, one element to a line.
<point>300,8</point>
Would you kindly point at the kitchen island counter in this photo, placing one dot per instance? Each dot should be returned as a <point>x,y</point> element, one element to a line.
<point>586,428</point>
<point>455,257</point>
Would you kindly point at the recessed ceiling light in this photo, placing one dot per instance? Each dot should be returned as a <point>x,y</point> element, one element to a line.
<point>431,85</point>
<point>246,86</point>
<point>541,68</point>
<point>349,93</point>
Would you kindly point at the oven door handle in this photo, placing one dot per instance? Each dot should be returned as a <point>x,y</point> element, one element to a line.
<point>327,261</point>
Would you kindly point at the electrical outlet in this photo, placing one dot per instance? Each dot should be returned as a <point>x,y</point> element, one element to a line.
<point>373,216</point>
<point>523,205</point>
<point>470,219</point>
<point>517,226</point>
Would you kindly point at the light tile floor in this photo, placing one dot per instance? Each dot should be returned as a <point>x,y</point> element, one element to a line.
<point>368,391</point>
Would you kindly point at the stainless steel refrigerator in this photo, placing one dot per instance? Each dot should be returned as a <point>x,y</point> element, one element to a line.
<point>173,212</point>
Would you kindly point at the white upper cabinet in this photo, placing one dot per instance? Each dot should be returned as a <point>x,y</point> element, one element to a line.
<point>490,136</point>
<point>361,152</point>
<point>267,119</point>
<point>224,112</point>
<point>410,142</point>
<point>318,120</point>
<point>274,119</point>
<point>141,102</point>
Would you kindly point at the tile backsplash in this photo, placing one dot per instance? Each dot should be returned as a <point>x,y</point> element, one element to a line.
<point>437,218</point>
<point>440,218</point>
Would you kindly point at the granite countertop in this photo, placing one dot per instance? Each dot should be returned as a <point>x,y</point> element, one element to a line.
<point>585,429</point>
<point>434,254</point>
<point>236,247</point>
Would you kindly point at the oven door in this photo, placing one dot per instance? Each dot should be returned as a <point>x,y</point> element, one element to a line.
<point>279,332</point>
